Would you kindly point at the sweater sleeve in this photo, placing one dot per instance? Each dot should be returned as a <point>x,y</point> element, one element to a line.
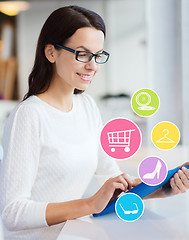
<point>107,166</point>
<point>18,171</point>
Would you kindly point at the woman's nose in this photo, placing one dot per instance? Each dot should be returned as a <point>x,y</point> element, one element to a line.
<point>92,65</point>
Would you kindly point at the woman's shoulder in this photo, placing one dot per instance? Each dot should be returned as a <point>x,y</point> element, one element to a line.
<point>24,114</point>
<point>27,108</point>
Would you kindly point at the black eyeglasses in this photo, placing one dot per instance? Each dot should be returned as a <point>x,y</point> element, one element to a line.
<point>85,56</point>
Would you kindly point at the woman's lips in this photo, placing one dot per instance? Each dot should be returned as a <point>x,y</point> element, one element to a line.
<point>85,77</point>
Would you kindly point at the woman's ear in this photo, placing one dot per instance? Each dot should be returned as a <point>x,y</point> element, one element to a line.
<point>50,53</point>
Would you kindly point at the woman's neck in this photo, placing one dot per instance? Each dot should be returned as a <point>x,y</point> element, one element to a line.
<point>58,97</point>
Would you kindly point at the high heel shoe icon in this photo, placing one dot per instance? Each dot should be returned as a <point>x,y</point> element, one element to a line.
<point>156,171</point>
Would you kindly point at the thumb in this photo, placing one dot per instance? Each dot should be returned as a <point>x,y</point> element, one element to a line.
<point>136,181</point>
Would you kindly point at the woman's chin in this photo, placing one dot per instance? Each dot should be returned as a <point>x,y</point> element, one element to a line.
<point>83,87</point>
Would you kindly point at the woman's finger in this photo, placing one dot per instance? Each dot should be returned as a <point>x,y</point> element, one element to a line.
<point>174,187</point>
<point>128,180</point>
<point>186,163</point>
<point>118,185</point>
<point>179,183</point>
<point>136,181</point>
<point>186,172</point>
<point>183,178</point>
<point>121,179</point>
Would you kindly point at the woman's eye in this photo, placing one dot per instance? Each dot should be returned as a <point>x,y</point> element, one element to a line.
<point>82,54</point>
<point>99,56</point>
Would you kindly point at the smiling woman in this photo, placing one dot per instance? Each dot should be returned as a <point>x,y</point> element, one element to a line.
<point>51,148</point>
<point>51,139</point>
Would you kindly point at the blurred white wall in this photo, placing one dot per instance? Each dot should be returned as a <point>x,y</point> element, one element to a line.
<point>125,22</point>
<point>1,230</point>
<point>168,59</point>
<point>164,59</point>
<point>185,70</point>
<point>29,24</point>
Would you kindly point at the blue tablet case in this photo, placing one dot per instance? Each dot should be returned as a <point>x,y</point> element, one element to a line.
<point>141,190</point>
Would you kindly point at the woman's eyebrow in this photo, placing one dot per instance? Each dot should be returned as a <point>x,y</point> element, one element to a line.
<point>86,49</point>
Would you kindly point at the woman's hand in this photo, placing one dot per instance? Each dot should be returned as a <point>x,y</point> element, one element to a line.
<point>179,183</point>
<point>109,191</point>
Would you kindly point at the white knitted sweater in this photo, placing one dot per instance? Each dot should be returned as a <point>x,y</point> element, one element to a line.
<point>49,156</point>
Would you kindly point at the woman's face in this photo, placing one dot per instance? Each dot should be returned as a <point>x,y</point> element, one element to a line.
<point>72,72</point>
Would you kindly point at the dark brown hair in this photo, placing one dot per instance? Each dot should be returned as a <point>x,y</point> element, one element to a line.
<point>58,28</point>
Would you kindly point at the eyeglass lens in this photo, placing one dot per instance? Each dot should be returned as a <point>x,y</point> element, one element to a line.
<point>83,56</point>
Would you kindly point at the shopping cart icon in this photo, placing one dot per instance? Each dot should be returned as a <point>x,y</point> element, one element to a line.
<point>120,139</point>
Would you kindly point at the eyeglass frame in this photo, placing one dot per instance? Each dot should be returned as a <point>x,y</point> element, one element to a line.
<point>77,53</point>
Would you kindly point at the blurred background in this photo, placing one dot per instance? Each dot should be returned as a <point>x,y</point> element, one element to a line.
<point>149,45</point>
